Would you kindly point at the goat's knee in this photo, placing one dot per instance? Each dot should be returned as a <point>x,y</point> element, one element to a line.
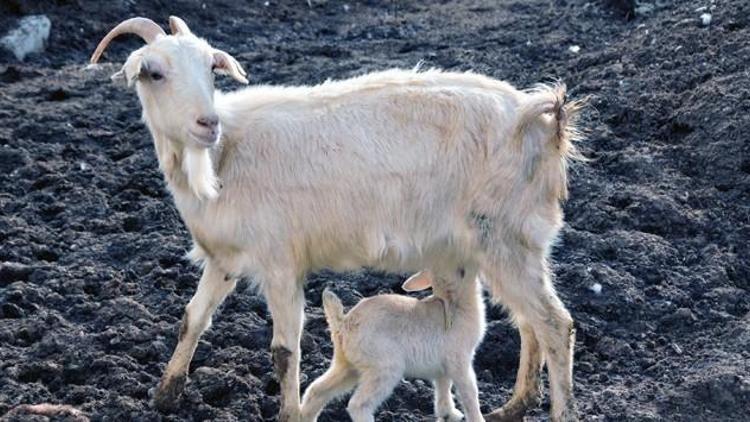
<point>284,362</point>
<point>281,357</point>
<point>556,332</point>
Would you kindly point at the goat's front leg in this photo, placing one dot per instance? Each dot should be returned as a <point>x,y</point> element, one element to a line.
<point>466,386</point>
<point>286,302</point>
<point>445,408</point>
<point>213,287</point>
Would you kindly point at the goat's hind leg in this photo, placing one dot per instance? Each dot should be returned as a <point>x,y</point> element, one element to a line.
<point>522,283</point>
<point>213,287</point>
<point>527,391</point>
<point>375,385</point>
<point>337,380</point>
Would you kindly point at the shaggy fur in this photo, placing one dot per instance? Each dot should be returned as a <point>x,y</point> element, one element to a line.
<point>393,170</point>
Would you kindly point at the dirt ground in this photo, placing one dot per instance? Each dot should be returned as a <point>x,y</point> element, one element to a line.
<point>93,279</point>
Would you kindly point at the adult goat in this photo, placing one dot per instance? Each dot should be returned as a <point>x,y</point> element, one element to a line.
<point>385,170</point>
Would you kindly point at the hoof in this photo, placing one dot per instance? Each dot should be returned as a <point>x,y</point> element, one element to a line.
<point>507,413</point>
<point>515,409</point>
<point>168,393</point>
<point>453,416</point>
<point>570,414</point>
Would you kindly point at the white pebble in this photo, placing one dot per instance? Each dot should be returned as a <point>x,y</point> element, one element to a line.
<point>706,19</point>
<point>574,49</point>
<point>84,166</point>
<point>596,288</point>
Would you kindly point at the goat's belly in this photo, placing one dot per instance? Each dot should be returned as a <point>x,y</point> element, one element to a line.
<point>390,251</point>
<point>424,370</point>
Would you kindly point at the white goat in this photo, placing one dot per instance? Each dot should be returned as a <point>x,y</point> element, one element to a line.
<point>387,170</point>
<point>387,337</point>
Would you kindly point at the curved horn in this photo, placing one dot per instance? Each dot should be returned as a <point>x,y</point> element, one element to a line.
<point>178,26</point>
<point>144,28</point>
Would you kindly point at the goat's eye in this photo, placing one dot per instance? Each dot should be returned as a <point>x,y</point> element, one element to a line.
<point>156,76</point>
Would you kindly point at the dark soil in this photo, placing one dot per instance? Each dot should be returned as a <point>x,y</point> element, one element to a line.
<point>93,278</point>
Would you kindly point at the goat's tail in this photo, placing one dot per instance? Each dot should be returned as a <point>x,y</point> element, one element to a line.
<point>551,99</point>
<point>334,311</point>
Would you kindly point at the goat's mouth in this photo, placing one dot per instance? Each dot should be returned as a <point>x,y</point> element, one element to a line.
<point>205,139</point>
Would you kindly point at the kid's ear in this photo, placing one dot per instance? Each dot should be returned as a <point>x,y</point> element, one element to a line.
<point>419,281</point>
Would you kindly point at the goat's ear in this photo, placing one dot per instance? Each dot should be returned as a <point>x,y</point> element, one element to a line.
<point>419,281</point>
<point>178,26</point>
<point>224,64</point>
<point>129,71</point>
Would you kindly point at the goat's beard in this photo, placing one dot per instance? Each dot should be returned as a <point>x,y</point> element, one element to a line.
<point>199,170</point>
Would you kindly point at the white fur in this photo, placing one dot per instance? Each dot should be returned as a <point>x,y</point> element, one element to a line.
<point>387,337</point>
<point>197,165</point>
<point>391,170</point>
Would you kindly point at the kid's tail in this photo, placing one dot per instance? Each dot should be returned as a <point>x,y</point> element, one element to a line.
<point>334,310</point>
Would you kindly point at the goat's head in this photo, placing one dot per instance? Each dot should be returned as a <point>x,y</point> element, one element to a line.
<point>174,77</point>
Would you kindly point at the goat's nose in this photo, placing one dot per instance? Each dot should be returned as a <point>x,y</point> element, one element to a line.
<point>209,121</point>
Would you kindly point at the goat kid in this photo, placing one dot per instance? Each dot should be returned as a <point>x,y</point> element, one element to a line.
<point>388,337</point>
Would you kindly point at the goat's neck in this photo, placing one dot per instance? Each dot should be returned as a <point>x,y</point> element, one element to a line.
<point>190,172</point>
<point>468,300</point>
<point>465,301</point>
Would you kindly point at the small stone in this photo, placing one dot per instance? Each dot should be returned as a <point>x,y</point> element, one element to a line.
<point>706,19</point>
<point>575,49</point>
<point>30,36</point>
<point>596,288</point>
<point>677,349</point>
